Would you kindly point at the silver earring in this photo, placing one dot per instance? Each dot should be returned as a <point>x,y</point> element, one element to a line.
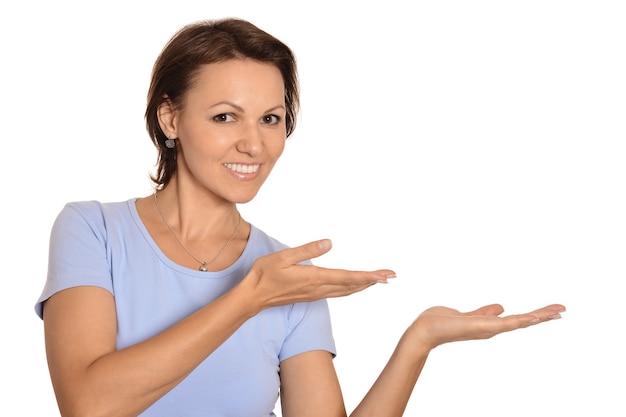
<point>170,143</point>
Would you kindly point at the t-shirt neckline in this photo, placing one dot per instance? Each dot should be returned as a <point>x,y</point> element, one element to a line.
<point>183,269</point>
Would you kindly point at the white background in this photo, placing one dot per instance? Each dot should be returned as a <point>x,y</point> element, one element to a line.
<point>475,147</point>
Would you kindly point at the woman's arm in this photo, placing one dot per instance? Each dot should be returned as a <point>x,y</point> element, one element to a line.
<point>308,381</point>
<point>438,325</point>
<point>309,386</point>
<point>92,378</point>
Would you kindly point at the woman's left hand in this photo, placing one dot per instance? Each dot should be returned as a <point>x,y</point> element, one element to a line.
<point>439,325</point>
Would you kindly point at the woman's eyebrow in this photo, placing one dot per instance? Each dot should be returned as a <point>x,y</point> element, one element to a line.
<point>241,109</point>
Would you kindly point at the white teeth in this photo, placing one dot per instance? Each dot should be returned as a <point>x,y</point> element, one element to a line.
<point>242,169</point>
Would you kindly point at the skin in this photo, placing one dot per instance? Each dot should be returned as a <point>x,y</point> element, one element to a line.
<point>234,116</point>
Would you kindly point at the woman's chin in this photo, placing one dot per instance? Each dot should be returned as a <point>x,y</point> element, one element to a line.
<point>243,198</point>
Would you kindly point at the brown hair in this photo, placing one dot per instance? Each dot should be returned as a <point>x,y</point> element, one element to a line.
<point>207,42</point>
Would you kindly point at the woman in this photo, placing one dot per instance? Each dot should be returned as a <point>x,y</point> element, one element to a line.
<point>173,305</point>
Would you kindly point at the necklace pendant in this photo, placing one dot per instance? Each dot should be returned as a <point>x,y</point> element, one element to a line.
<point>203,264</point>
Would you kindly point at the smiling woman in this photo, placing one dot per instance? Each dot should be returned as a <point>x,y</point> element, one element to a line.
<point>230,128</point>
<point>172,304</point>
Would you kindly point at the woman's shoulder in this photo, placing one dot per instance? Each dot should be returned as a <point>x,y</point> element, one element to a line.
<point>96,207</point>
<point>261,243</point>
<point>94,213</point>
<point>260,238</point>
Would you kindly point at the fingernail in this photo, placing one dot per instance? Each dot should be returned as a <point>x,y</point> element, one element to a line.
<point>324,244</point>
<point>384,279</point>
<point>555,316</point>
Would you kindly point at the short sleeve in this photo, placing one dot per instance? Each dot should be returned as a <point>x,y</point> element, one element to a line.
<point>77,251</point>
<point>309,329</point>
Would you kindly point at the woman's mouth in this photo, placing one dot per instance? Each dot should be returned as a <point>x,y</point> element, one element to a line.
<point>243,168</point>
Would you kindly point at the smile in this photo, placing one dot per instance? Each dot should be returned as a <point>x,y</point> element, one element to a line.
<point>243,168</point>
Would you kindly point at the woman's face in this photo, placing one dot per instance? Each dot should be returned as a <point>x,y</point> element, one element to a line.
<point>231,129</point>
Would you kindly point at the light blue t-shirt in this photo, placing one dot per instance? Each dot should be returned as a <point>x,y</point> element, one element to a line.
<point>107,245</point>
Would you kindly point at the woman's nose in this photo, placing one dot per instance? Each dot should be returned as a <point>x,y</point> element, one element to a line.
<point>251,141</point>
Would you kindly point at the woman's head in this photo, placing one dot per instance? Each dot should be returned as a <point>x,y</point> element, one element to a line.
<point>207,42</point>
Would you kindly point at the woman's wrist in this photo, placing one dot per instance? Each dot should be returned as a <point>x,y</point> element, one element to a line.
<point>414,343</point>
<point>247,298</point>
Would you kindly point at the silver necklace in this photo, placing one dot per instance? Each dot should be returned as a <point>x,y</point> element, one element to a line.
<point>203,264</point>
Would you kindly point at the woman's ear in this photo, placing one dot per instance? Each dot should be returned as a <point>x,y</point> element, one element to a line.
<point>168,118</point>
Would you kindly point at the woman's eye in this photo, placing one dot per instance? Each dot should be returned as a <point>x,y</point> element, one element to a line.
<point>224,117</point>
<point>271,119</point>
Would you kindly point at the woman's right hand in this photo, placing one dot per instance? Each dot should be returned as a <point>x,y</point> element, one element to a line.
<point>279,278</point>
